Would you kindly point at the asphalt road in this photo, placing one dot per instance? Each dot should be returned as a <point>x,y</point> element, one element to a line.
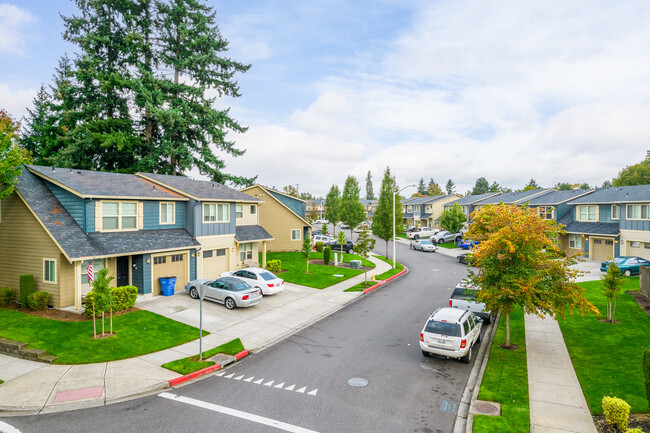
<point>305,383</point>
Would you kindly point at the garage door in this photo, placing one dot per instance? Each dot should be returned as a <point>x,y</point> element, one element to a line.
<point>602,249</point>
<point>639,249</point>
<point>215,262</point>
<point>173,265</point>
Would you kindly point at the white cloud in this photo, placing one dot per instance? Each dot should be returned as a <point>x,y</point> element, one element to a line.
<point>14,23</point>
<point>15,101</point>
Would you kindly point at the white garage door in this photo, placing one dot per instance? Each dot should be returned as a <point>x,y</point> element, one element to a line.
<point>602,249</point>
<point>639,249</point>
<point>215,262</point>
<point>172,265</point>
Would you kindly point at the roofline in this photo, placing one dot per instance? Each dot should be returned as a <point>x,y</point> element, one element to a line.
<point>611,202</point>
<point>254,240</point>
<point>193,197</point>
<point>274,198</point>
<point>274,190</point>
<point>106,256</point>
<point>593,234</point>
<point>59,184</point>
<point>564,201</point>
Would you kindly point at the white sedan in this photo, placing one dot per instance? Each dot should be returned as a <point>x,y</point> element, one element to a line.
<point>260,278</point>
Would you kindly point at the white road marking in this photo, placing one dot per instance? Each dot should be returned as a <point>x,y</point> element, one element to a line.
<point>257,382</point>
<point>290,388</point>
<point>239,377</point>
<point>6,428</point>
<point>236,413</point>
<point>230,375</point>
<point>279,385</point>
<point>313,392</point>
<point>220,374</point>
<point>269,383</point>
<point>302,389</point>
<point>249,379</point>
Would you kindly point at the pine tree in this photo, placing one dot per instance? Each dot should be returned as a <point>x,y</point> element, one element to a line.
<point>382,221</point>
<point>332,204</point>
<point>370,194</point>
<point>433,189</point>
<point>481,186</point>
<point>450,187</point>
<point>422,189</point>
<point>351,210</point>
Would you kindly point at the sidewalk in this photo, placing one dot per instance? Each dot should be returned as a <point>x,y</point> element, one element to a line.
<point>32,387</point>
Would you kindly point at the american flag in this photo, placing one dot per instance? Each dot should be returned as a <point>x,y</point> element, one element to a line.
<point>89,269</point>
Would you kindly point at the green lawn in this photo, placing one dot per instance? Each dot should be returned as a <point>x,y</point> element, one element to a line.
<point>509,389</point>
<point>137,333</point>
<point>320,276</point>
<point>607,357</point>
<point>449,245</point>
<point>191,364</point>
<point>399,268</point>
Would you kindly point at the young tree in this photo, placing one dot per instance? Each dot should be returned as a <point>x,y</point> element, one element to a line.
<point>12,156</point>
<point>637,174</point>
<point>306,248</point>
<point>481,186</point>
<point>450,187</point>
<point>102,296</point>
<point>453,218</point>
<point>370,194</point>
<point>422,188</point>
<point>433,188</point>
<point>324,228</point>
<point>332,205</point>
<point>365,244</point>
<point>341,241</point>
<point>382,221</point>
<point>351,211</point>
<point>518,264</point>
<point>612,282</point>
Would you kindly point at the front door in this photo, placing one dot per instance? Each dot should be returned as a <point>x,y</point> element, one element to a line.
<point>122,272</point>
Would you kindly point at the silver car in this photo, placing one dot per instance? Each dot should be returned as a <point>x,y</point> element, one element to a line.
<point>259,278</point>
<point>230,291</point>
<point>424,245</point>
<point>445,236</point>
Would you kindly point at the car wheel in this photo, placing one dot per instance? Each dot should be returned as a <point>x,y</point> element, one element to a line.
<point>416,237</point>
<point>487,320</point>
<point>458,239</point>
<point>425,353</point>
<point>230,303</point>
<point>467,358</point>
<point>194,294</point>
<point>628,273</point>
<point>458,259</point>
<point>261,291</point>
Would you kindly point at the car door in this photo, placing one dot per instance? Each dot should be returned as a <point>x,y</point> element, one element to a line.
<point>633,265</point>
<point>220,290</point>
<point>210,290</point>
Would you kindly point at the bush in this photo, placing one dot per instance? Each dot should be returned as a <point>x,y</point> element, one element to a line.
<point>616,412</point>
<point>646,372</point>
<point>327,255</point>
<point>123,298</point>
<point>26,288</point>
<point>634,430</point>
<point>38,300</point>
<point>274,265</point>
<point>6,295</point>
<point>319,247</point>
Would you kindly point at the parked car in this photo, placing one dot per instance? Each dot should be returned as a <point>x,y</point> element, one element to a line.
<point>451,332</point>
<point>463,258</point>
<point>259,278</point>
<point>230,291</point>
<point>424,245</point>
<point>421,232</point>
<point>628,265</point>
<point>445,236</point>
<point>321,238</point>
<point>347,247</point>
<point>464,297</point>
<point>467,244</point>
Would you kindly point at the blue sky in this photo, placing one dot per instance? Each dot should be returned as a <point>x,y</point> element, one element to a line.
<point>553,90</point>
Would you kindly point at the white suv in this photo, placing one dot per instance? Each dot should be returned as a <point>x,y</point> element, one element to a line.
<point>321,238</point>
<point>422,232</point>
<point>451,332</point>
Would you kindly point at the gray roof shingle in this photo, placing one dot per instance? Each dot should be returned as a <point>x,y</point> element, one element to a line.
<point>555,198</point>
<point>252,233</point>
<point>618,194</point>
<point>581,227</point>
<point>200,189</point>
<point>470,199</point>
<point>512,197</point>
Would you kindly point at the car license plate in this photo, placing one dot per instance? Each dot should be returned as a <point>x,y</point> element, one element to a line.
<point>442,341</point>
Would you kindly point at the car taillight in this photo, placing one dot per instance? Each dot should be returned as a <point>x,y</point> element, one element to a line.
<point>463,344</point>
<point>421,337</point>
<point>245,297</point>
<point>270,285</point>
<point>450,303</point>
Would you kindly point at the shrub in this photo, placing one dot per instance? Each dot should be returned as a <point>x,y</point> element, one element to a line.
<point>38,300</point>
<point>124,297</point>
<point>634,430</point>
<point>327,255</point>
<point>6,295</point>
<point>646,372</point>
<point>616,412</point>
<point>26,287</point>
<point>319,247</point>
<point>274,265</point>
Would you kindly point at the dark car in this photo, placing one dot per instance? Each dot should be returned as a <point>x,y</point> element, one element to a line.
<point>463,258</point>
<point>347,247</point>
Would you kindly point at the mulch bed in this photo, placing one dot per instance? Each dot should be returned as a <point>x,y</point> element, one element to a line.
<point>62,316</point>
<point>642,300</point>
<point>636,420</point>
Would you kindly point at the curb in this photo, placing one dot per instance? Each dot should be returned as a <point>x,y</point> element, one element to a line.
<point>207,370</point>
<point>370,289</point>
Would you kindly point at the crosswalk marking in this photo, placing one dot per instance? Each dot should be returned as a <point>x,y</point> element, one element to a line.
<point>270,383</point>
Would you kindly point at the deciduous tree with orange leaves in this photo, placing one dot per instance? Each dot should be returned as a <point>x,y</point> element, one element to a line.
<point>519,263</point>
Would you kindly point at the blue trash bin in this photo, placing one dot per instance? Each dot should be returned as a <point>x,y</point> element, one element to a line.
<point>167,285</point>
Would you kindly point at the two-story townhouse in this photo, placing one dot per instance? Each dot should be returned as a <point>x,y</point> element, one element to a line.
<point>467,202</point>
<point>369,207</point>
<point>554,205</point>
<point>411,211</point>
<point>431,209</point>
<point>610,222</point>
<point>282,215</point>
<point>511,198</point>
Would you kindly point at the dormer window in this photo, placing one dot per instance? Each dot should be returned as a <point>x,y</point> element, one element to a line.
<point>587,213</point>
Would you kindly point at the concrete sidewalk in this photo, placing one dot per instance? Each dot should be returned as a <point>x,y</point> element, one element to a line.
<point>33,387</point>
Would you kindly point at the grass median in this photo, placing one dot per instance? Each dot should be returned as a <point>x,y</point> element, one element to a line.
<point>366,284</point>
<point>505,381</point>
<point>191,363</point>
<point>136,333</point>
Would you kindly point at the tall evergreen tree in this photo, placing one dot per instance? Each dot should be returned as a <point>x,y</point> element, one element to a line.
<point>433,188</point>
<point>481,186</point>
<point>351,210</point>
<point>382,221</point>
<point>495,187</point>
<point>370,194</point>
<point>450,187</point>
<point>332,206</point>
<point>422,188</point>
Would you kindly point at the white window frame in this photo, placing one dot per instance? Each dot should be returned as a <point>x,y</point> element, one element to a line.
<point>617,212</point>
<point>640,207</point>
<point>544,211</point>
<point>577,242</point>
<point>586,207</point>
<point>246,251</point>
<point>167,205</point>
<point>53,264</point>
<point>294,238</point>
<point>253,209</point>
<point>120,216</point>
<point>214,212</point>
<point>239,211</point>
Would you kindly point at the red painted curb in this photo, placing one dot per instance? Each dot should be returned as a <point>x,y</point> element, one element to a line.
<point>369,289</point>
<point>241,354</point>
<point>194,375</point>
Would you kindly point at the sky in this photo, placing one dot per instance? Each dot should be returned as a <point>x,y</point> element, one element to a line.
<point>554,90</point>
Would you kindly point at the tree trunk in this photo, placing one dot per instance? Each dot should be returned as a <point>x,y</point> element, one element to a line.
<point>386,250</point>
<point>614,311</point>
<point>111,319</point>
<point>508,329</point>
<point>307,266</point>
<point>94,322</point>
<point>102,323</point>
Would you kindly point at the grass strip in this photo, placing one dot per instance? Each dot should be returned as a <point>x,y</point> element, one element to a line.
<point>393,271</point>
<point>449,245</point>
<point>505,381</point>
<point>191,364</point>
<point>608,357</point>
<point>319,276</point>
<point>136,333</point>
<point>361,286</point>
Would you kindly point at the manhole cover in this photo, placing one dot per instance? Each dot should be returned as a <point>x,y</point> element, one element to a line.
<point>486,408</point>
<point>358,381</point>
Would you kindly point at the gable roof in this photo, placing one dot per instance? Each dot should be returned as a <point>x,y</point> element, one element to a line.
<point>471,199</point>
<point>591,228</point>
<point>617,194</point>
<point>252,233</point>
<point>269,193</point>
<point>101,184</point>
<point>555,198</point>
<point>513,197</point>
<point>199,190</point>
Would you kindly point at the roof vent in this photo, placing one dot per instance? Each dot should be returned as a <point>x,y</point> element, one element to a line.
<point>153,186</point>
<point>52,168</point>
<point>70,170</point>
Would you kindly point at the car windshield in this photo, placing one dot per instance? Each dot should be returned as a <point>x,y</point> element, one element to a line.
<point>465,294</point>
<point>425,242</point>
<point>618,260</point>
<point>268,276</point>
<point>443,328</point>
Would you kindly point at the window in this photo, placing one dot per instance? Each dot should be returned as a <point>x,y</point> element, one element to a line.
<point>207,254</point>
<point>616,212</point>
<point>295,235</point>
<point>167,213</point>
<point>635,244</point>
<point>213,212</point>
<point>409,208</point>
<point>545,212</point>
<point>587,213</point>
<point>575,242</point>
<point>98,264</point>
<point>638,212</point>
<point>597,242</point>
<point>221,252</point>
<point>239,211</point>
<point>159,260</point>
<point>119,215</point>
<point>49,270</point>
<point>609,243</point>
<point>245,251</point>
<point>253,209</point>
<point>177,258</point>
<point>646,245</point>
